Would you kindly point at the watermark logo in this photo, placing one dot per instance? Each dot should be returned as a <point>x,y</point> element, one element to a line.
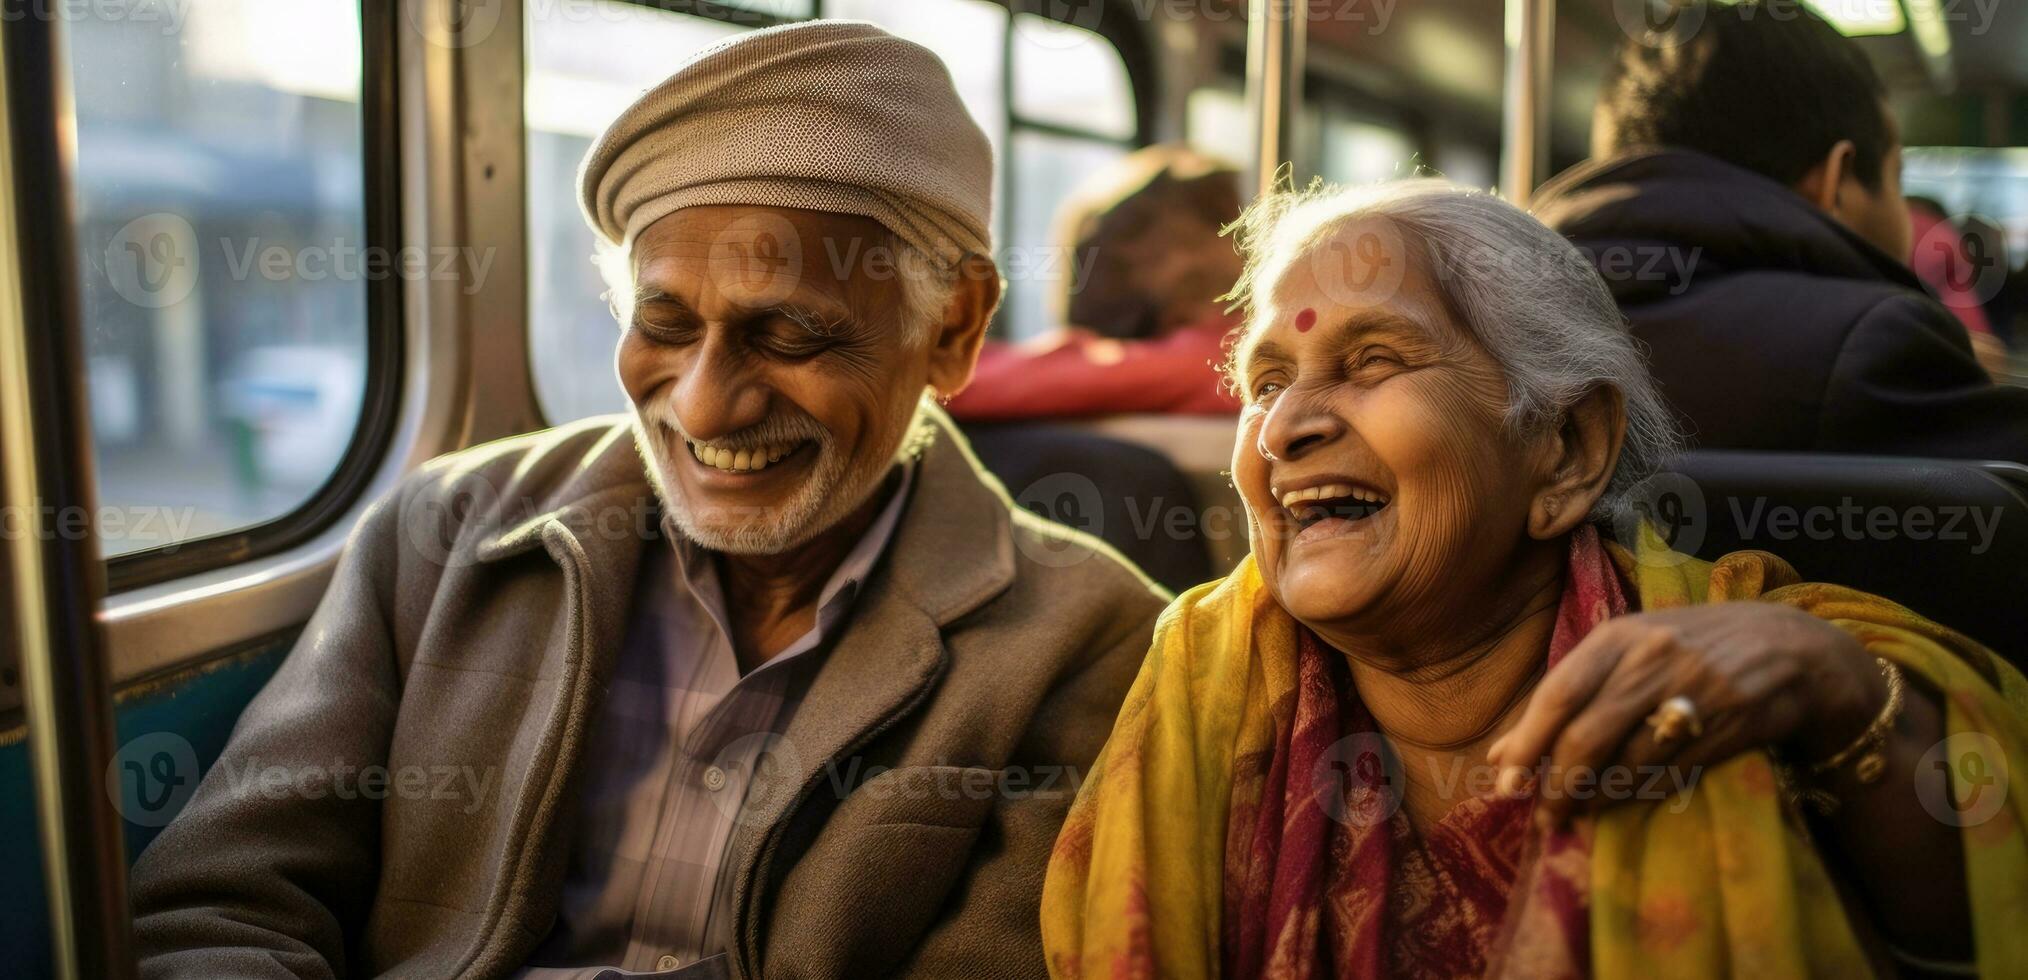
<point>1358,781</point>
<point>447,528</point>
<point>1070,499</point>
<point>171,14</point>
<point>1362,265</point>
<point>1968,254</point>
<point>1974,783</point>
<point>152,260</point>
<point>757,260</point>
<point>1659,23</point>
<point>455,23</point>
<point>1060,25</point>
<point>758,775</point>
<point>1673,504</point>
<point>151,777</point>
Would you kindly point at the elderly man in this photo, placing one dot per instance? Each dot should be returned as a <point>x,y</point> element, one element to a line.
<point>801,696</point>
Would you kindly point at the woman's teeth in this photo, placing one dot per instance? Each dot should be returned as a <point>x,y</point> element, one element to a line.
<point>740,460</point>
<point>1332,491</point>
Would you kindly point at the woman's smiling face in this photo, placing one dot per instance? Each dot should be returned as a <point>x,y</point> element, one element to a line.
<point>1383,483</point>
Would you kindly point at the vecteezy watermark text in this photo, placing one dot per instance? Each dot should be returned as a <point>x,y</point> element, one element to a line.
<point>470,785</point>
<point>70,523</point>
<point>1852,521</point>
<point>155,261</point>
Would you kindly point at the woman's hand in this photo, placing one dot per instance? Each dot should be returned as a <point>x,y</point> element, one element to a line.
<point>1758,675</point>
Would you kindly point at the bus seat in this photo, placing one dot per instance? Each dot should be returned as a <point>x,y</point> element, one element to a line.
<point>1116,490</point>
<point>1947,538</point>
<point>1200,446</point>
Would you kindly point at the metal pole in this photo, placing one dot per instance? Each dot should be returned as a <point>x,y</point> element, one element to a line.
<point>1277,33</point>
<point>1524,139</point>
<point>53,568</point>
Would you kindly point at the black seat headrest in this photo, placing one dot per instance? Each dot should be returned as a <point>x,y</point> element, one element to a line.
<point>1946,538</point>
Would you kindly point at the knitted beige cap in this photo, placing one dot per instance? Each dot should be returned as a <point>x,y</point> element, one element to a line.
<point>833,116</point>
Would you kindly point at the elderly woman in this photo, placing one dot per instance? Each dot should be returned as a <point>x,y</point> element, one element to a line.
<point>1436,725</point>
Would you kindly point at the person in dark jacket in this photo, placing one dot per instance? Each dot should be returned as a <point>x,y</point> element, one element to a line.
<point>1744,204</point>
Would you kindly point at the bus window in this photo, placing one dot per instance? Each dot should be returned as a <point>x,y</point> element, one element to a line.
<point>1970,252</point>
<point>1074,114</point>
<point>969,35</point>
<point>224,261</point>
<point>1217,120</point>
<point>1070,77</point>
<point>1045,168</point>
<point>1355,151</point>
<point>582,70</point>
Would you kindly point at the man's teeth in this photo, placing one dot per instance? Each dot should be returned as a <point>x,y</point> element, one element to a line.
<point>741,460</point>
<point>1332,491</point>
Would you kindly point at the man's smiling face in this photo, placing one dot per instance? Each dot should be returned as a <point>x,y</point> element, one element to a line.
<point>771,369</point>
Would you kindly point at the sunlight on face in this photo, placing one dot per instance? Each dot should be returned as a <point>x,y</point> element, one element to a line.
<point>772,384</point>
<point>1373,456</point>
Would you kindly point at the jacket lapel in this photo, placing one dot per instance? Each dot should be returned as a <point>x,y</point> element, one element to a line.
<point>591,529</point>
<point>952,552</point>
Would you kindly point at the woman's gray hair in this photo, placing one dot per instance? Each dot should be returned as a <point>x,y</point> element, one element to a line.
<point>1526,294</point>
<point>926,285</point>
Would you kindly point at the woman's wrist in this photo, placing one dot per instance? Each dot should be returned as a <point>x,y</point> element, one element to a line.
<point>1844,705</point>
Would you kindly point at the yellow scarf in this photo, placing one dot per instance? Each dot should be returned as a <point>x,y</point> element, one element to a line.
<point>1725,885</point>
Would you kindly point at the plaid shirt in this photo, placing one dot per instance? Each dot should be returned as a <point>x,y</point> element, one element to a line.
<point>667,772</point>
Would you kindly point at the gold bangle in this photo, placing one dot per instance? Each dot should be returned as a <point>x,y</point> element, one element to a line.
<point>1870,748</point>
<point>1821,801</point>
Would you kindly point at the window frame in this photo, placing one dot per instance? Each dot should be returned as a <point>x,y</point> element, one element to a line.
<point>380,397</point>
<point>1116,27</point>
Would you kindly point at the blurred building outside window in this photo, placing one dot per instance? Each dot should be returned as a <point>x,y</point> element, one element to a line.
<point>222,256</point>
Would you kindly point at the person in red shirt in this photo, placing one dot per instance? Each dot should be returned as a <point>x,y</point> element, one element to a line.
<point>1942,260</point>
<point>1147,325</point>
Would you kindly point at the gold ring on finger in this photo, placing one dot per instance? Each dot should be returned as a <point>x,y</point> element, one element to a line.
<point>1674,719</point>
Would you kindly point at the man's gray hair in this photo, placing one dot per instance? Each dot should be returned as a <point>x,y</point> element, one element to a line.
<point>926,285</point>
<point>1526,294</point>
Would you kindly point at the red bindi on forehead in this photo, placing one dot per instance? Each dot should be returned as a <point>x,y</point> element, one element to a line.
<point>1305,320</point>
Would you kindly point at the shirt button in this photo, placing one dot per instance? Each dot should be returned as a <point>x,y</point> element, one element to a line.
<point>668,962</point>
<point>714,780</point>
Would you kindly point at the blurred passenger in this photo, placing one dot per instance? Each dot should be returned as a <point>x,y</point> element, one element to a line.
<point>1437,725</point>
<point>1744,205</point>
<point>1939,256</point>
<point>1987,242</point>
<point>1943,258</point>
<point>766,679</point>
<point>1146,326</point>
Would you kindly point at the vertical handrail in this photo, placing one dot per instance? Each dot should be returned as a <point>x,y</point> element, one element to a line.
<point>1277,35</point>
<point>46,473</point>
<point>1524,119</point>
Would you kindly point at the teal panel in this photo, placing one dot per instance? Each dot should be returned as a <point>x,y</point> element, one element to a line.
<point>197,709</point>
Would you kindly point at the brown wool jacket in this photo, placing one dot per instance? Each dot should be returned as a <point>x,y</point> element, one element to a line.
<point>471,627</point>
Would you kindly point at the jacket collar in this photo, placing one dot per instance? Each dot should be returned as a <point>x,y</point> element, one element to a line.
<point>952,553</point>
<point>1739,220</point>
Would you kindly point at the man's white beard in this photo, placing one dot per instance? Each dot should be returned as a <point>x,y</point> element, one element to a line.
<point>833,490</point>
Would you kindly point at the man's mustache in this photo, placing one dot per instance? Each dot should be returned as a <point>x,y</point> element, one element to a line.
<point>775,430</point>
